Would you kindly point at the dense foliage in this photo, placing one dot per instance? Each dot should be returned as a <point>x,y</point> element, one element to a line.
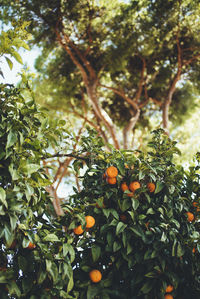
<point>144,242</point>
<point>140,242</point>
<point>32,258</point>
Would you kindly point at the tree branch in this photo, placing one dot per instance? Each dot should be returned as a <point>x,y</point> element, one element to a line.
<point>172,88</point>
<point>129,127</point>
<point>73,58</point>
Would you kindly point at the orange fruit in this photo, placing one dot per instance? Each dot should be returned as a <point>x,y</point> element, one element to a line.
<point>111,181</point>
<point>123,218</point>
<point>193,250</point>
<point>78,230</point>
<point>112,172</point>
<point>190,216</point>
<point>130,194</point>
<point>151,187</point>
<point>168,296</point>
<point>124,186</point>
<point>95,276</point>
<point>13,245</point>
<point>169,289</point>
<point>196,205</point>
<point>134,186</point>
<point>31,245</point>
<point>90,221</point>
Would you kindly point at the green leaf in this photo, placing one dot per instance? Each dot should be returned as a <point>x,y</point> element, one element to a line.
<point>17,57</point>
<point>11,139</point>
<point>120,227</point>
<point>150,211</point>
<point>52,269</point>
<point>92,291</point>
<point>174,247</point>
<point>163,237</point>
<point>3,197</point>
<point>9,62</point>
<point>116,246</point>
<point>30,168</point>
<point>66,249</point>
<point>137,231</point>
<point>51,238</point>
<point>159,187</point>
<point>13,289</point>
<point>180,250</point>
<point>70,284</point>
<point>135,203</point>
<point>125,205</point>
<point>41,276</point>
<point>13,222</point>
<point>96,252</point>
<point>146,287</point>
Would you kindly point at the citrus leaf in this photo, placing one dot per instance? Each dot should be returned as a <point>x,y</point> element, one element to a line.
<point>9,62</point>
<point>3,197</point>
<point>96,252</point>
<point>51,238</point>
<point>120,228</point>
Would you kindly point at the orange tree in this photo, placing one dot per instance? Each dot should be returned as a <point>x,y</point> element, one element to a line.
<point>35,251</point>
<point>145,243</point>
<point>131,232</point>
<point>141,241</point>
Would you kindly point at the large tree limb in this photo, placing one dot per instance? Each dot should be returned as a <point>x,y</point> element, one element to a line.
<point>73,58</point>
<point>105,118</point>
<point>129,127</point>
<point>172,88</point>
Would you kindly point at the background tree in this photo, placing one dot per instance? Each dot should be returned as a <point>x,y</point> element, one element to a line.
<point>115,65</point>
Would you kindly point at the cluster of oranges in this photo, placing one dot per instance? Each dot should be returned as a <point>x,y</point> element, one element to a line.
<point>90,222</point>
<point>136,185</point>
<point>95,275</point>
<point>168,290</point>
<point>111,175</point>
<point>111,178</point>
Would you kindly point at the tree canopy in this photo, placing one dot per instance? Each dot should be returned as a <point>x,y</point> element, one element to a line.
<point>130,229</point>
<point>116,65</point>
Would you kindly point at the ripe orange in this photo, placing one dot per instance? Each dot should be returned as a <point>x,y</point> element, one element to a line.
<point>104,176</point>
<point>111,181</point>
<point>112,172</point>
<point>196,205</point>
<point>31,245</point>
<point>193,250</point>
<point>168,296</point>
<point>90,221</point>
<point>169,289</point>
<point>95,276</point>
<point>13,245</point>
<point>151,187</point>
<point>123,218</point>
<point>124,186</point>
<point>190,216</point>
<point>130,194</point>
<point>78,230</point>
<point>134,186</point>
